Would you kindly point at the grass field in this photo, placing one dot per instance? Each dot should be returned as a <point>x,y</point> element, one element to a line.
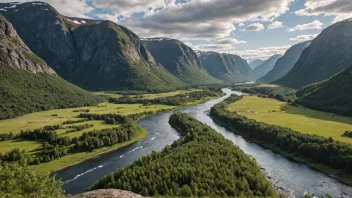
<point>300,119</point>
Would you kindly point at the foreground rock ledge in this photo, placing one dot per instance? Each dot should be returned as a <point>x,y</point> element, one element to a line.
<point>107,193</point>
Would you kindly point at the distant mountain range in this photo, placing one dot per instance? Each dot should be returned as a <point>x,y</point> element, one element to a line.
<point>93,54</point>
<point>254,64</point>
<point>266,66</point>
<point>227,67</point>
<point>28,84</point>
<point>328,54</point>
<point>333,95</point>
<point>285,63</point>
<point>180,60</point>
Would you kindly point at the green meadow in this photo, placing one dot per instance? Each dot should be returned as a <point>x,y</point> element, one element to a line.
<point>301,119</point>
<point>58,116</point>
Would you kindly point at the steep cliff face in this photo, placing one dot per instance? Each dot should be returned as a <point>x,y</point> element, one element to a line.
<point>180,60</point>
<point>266,66</point>
<point>227,67</point>
<point>328,54</point>
<point>14,53</point>
<point>92,54</point>
<point>28,84</point>
<point>285,63</point>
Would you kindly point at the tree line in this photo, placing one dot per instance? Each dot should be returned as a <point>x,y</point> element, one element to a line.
<point>311,148</point>
<point>202,163</point>
<point>55,146</point>
<point>169,100</point>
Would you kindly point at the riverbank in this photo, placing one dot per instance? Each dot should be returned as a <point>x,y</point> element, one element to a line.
<point>333,173</point>
<point>77,158</point>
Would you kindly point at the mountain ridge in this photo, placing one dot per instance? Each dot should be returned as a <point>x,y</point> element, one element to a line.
<point>28,84</point>
<point>180,60</point>
<point>229,68</point>
<point>328,54</point>
<point>92,54</point>
<point>285,63</point>
<point>266,66</point>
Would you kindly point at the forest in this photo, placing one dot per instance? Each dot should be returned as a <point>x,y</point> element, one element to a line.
<point>202,163</point>
<point>311,148</point>
<point>22,93</point>
<point>169,100</point>
<point>283,94</point>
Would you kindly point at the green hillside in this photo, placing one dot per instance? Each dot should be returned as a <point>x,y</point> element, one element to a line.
<point>333,95</point>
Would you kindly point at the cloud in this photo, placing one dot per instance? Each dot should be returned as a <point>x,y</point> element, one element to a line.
<point>341,9</point>
<point>254,27</point>
<point>204,19</point>
<point>304,37</point>
<point>128,7</point>
<point>108,17</point>
<point>230,41</point>
<point>74,8</point>
<point>261,53</point>
<point>308,26</point>
<point>241,24</point>
<point>275,25</point>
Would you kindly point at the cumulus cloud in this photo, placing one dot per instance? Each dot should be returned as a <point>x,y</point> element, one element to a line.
<point>341,9</point>
<point>275,25</point>
<point>110,17</point>
<point>308,26</point>
<point>261,53</point>
<point>241,24</point>
<point>74,8</point>
<point>204,18</point>
<point>254,27</point>
<point>230,41</point>
<point>304,37</point>
<point>128,7</point>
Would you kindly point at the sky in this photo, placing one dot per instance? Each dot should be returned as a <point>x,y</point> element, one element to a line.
<point>250,28</point>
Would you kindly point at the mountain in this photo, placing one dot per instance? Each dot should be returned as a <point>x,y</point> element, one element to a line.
<point>28,84</point>
<point>93,54</point>
<point>180,60</point>
<point>266,66</point>
<point>328,54</point>
<point>285,63</point>
<point>254,64</point>
<point>227,67</point>
<point>333,95</point>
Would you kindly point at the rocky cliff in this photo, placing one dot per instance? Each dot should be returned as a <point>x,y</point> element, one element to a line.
<point>107,193</point>
<point>90,53</point>
<point>227,67</point>
<point>179,59</point>
<point>285,63</point>
<point>328,54</point>
<point>28,84</point>
<point>14,53</point>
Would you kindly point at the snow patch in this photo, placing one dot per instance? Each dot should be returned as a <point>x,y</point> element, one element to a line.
<point>350,19</point>
<point>83,21</point>
<point>2,9</point>
<point>74,21</point>
<point>38,3</point>
<point>11,7</point>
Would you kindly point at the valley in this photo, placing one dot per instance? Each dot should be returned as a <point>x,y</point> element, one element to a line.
<point>66,120</point>
<point>176,98</point>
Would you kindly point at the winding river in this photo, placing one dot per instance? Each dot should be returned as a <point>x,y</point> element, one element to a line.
<point>295,178</point>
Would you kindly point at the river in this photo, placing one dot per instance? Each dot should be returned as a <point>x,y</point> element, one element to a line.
<point>295,178</point>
